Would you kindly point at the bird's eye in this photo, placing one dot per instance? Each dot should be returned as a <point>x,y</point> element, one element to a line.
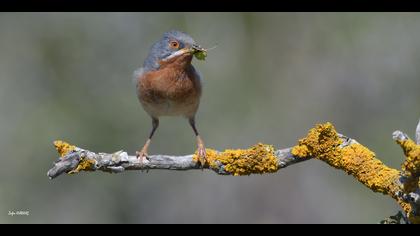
<point>174,44</point>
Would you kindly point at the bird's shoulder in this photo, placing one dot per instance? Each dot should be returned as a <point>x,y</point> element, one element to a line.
<point>137,74</point>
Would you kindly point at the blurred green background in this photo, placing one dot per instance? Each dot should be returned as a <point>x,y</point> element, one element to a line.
<point>271,78</point>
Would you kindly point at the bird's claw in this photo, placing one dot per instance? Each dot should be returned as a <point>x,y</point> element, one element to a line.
<point>141,155</point>
<point>202,158</point>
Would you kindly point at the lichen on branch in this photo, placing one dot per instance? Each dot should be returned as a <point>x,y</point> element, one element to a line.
<point>63,148</point>
<point>411,165</point>
<point>258,159</point>
<point>322,143</point>
<point>410,174</point>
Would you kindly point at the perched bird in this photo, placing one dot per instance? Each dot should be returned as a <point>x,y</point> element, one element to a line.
<point>168,85</point>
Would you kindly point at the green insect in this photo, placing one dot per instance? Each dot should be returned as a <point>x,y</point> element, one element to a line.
<point>200,55</point>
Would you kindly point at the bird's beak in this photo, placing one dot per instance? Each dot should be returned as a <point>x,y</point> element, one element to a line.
<point>197,47</point>
<point>193,49</point>
<point>179,53</point>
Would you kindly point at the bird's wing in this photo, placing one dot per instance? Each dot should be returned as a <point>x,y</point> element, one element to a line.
<point>136,74</point>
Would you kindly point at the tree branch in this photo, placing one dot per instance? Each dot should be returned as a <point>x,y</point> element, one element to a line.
<point>322,143</point>
<point>78,159</point>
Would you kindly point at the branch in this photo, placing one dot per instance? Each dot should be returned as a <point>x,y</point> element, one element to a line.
<point>322,143</point>
<point>74,159</point>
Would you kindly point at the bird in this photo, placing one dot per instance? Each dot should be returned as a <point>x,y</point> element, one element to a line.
<point>168,85</point>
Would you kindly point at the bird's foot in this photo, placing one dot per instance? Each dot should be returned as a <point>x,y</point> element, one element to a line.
<point>141,155</point>
<point>202,156</point>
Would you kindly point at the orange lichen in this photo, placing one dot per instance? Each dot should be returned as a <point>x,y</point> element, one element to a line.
<point>258,159</point>
<point>63,148</point>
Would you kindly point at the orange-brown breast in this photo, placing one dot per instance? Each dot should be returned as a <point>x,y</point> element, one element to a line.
<point>174,89</point>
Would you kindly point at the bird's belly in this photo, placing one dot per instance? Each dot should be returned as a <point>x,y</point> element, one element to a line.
<point>170,92</point>
<point>170,107</point>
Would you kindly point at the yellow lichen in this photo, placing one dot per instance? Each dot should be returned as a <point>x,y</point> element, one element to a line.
<point>84,164</point>
<point>300,151</point>
<point>258,159</point>
<point>411,168</point>
<point>412,163</point>
<point>360,162</point>
<point>211,156</point>
<point>63,148</point>
<point>322,142</point>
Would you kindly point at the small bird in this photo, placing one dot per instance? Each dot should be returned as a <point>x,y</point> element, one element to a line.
<point>168,85</point>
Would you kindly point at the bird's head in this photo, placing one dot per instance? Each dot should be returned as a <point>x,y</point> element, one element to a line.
<point>174,47</point>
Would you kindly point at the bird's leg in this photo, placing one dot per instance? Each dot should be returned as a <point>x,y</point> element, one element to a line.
<point>142,153</point>
<point>201,149</point>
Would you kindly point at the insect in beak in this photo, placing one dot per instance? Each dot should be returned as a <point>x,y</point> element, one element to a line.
<point>201,53</point>
<point>197,47</point>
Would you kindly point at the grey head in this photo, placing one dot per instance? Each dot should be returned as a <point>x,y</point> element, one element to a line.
<point>172,43</point>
